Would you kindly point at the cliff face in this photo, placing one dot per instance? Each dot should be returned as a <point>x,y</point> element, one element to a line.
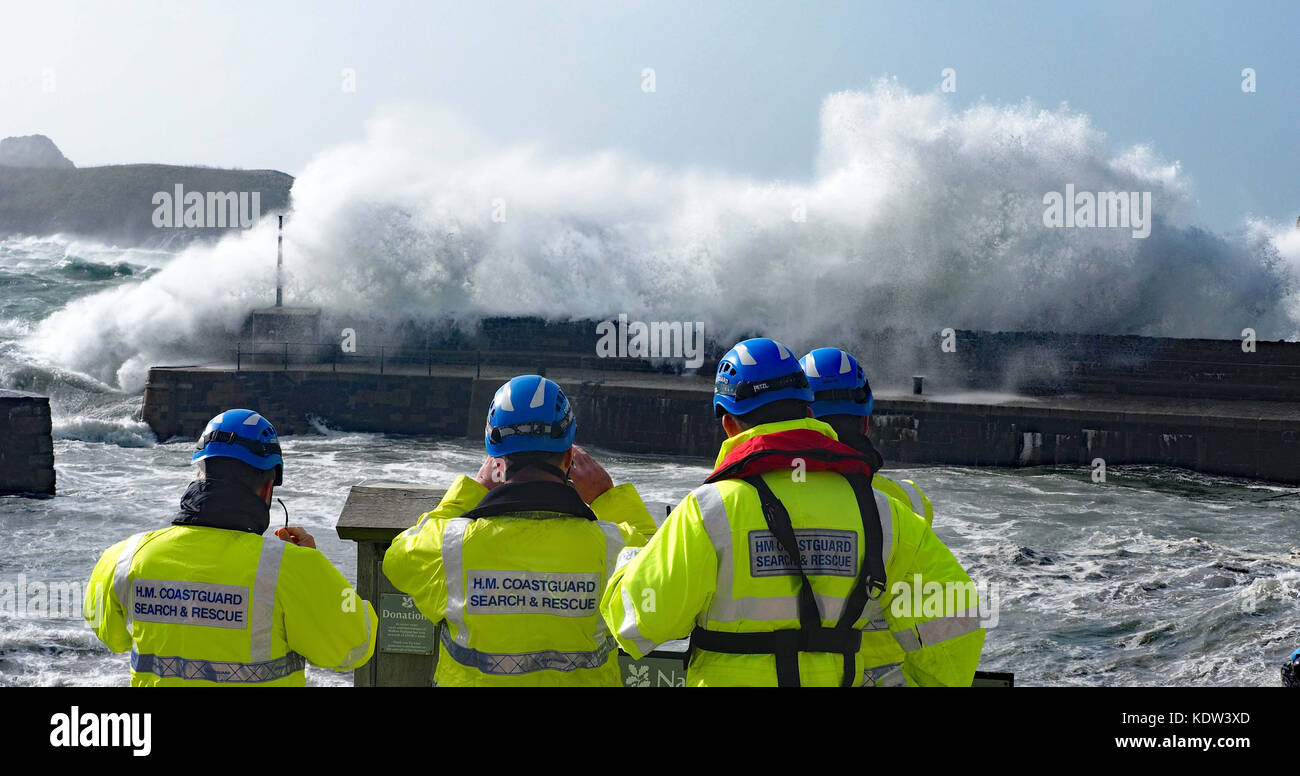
<point>33,151</point>
<point>157,205</point>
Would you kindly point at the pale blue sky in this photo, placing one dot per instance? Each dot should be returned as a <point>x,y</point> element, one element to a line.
<point>738,84</point>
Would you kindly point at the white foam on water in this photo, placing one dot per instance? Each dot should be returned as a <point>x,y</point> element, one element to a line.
<point>123,432</point>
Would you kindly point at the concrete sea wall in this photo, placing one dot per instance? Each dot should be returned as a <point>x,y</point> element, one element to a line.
<point>652,413</point>
<point>641,417</point>
<point>1256,441</point>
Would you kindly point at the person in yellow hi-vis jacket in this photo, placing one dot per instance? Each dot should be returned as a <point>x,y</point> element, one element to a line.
<point>786,567</point>
<point>210,601</point>
<point>513,563</point>
<point>843,400</point>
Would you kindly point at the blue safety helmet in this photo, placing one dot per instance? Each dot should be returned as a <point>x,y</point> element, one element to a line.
<point>245,436</point>
<point>839,385</point>
<point>529,413</point>
<point>757,372</point>
<point>1291,670</point>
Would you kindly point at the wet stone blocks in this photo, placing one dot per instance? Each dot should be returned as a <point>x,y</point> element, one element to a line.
<point>26,444</point>
<point>655,414</point>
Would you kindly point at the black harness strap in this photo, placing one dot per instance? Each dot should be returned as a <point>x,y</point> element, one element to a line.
<point>255,446</point>
<point>810,617</point>
<point>778,522</point>
<point>871,575</point>
<point>811,636</point>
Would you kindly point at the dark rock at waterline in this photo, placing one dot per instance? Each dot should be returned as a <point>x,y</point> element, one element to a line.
<point>1027,557</point>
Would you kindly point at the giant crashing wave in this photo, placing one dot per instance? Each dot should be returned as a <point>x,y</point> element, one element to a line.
<point>919,215</point>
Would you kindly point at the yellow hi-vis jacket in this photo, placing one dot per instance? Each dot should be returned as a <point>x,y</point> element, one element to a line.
<point>205,606</point>
<point>518,594</point>
<point>907,492</point>
<point>699,570</point>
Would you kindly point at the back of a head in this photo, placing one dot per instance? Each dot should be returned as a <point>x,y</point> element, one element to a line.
<point>778,411</point>
<point>516,461</point>
<point>235,471</point>
<point>847,427</point>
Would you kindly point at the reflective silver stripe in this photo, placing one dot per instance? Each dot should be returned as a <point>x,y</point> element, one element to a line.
<point>874,614</point>
<point>625,557</point>
<point>937,630</point>
<point>908,639</point>
<point>218,670</point>
<point>913,495</point>
<point>506,664</point>
<point>415,529</point>
<point>886,526</point>
<point>122,576</point>
<point>787,608</point>
<point>888,675</point>
<point>628,629</point>
<point>453,567</point>
<point>261,618</point>
<point>950,627</point>
<point>359,650</point>
<point>613,545</point>
<point>718,527</point>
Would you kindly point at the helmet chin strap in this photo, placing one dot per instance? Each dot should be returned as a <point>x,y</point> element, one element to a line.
<point>556,471</point>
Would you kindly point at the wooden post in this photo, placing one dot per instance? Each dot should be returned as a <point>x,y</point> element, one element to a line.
<point>371,517</point>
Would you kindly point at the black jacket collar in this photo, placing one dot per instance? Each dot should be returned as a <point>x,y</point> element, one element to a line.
<point>221,504</point>
<point>862,443</point>
<point>539,496</point>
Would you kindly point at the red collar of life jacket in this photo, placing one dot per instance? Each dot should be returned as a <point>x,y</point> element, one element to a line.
<point>778,450</point>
